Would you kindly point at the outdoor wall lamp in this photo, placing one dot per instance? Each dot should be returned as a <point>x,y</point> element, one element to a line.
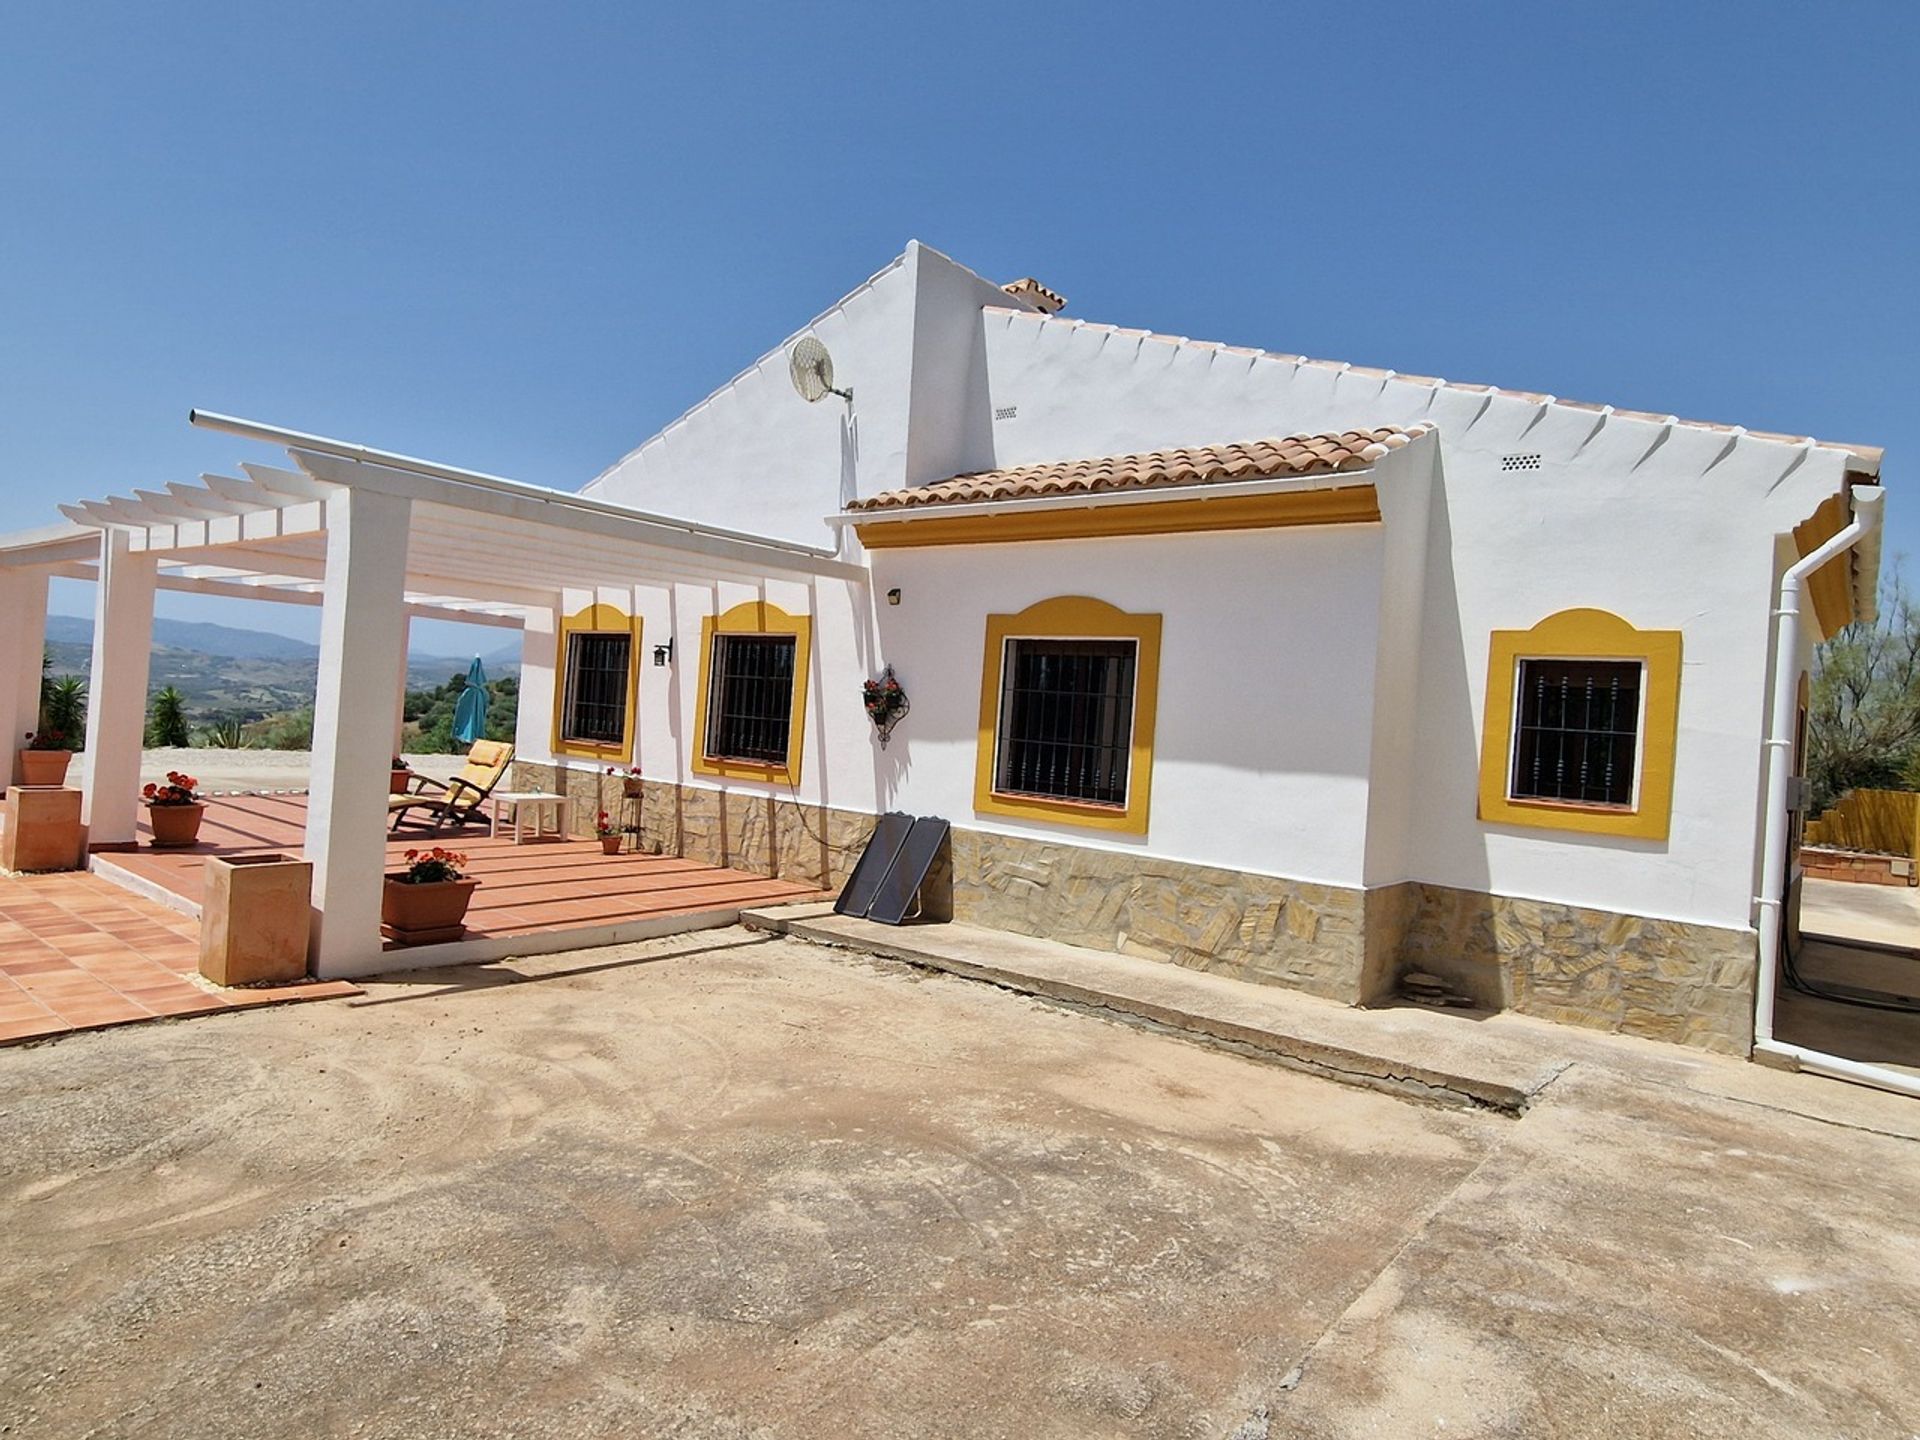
<point>893,596</point>
<point>662,654</point>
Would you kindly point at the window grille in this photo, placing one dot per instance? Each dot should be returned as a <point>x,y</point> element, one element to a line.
<point>1579,731</point>
<point>750,704</point>
<point>595,707</point>
<point>1066,719</point>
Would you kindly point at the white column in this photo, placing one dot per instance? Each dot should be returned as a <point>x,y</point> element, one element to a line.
<point>360,650</point>
<point>117,690</point>
<point>23,637</point>
<point>533,729</point>
<point>400,706</point>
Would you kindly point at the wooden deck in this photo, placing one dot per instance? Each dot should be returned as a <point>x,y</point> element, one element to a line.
<point>540,888</point>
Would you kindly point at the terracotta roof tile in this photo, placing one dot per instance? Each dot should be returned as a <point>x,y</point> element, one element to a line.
<point>1296,455</point>
<point>1049,302</point>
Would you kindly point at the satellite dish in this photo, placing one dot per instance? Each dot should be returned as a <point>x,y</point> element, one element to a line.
<point>811,369</point>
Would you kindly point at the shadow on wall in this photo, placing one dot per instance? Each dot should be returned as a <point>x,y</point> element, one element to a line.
<point>1447,679</point>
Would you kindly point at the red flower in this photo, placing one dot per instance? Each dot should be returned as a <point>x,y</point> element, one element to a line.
<point>149,790</point>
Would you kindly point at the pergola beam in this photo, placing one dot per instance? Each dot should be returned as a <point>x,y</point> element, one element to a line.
<point>671,543</point>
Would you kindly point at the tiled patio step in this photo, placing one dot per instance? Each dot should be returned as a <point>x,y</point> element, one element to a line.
<point>1451,1059</point>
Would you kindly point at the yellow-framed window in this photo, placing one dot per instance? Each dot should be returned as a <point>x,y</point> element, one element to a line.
<point>596,683</point>
<point>1582,725</point>
<point>751,707</point>
<point>1068,697</point>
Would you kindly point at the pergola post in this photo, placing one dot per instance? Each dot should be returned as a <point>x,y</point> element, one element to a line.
<point>23,638</point>
<point>360,655</point>
<point>400,705</point>
<point>117,690</point>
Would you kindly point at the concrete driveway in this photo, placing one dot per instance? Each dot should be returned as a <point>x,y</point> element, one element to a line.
<point>729,1185</point>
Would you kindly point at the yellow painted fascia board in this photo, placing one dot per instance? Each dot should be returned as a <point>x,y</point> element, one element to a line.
<point>1072,617</point>
<point>1347,505</point>
<point>596,619</point>
<point>1585,635</point>
<point>1831,586</point>
<point>754,617</point>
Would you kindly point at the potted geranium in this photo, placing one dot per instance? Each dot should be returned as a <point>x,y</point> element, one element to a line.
<point>174,810</point>
<point>427,902</point>
<point>399,776</point>
<point>44,758</point>
<point>608,833</point>
<point>886,702</point>
<point>630,786</point>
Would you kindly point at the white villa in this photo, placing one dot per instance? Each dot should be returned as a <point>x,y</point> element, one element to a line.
<point>1292,670</point>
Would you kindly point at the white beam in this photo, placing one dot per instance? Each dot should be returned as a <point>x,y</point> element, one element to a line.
<point>575,514</point>
<point>117,691</point>
<point>288,483</point>
<point>360,657</point>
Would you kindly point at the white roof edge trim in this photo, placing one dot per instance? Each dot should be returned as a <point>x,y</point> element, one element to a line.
<point>1863,458</point>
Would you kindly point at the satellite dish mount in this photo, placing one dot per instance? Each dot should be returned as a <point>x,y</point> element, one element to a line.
<point>811,369</point>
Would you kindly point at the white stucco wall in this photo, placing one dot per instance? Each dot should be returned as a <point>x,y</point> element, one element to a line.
<point>753,455</point>
<point>1265,697</point>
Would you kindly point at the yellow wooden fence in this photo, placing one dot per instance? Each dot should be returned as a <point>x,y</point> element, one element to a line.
<point>1884,821</point>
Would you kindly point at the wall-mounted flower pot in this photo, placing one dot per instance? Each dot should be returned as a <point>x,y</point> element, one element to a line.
<point>425,914</point>
<point>42,829</point>
<point>175,826</point>
<point>255,915</point>
<point>44,767</point>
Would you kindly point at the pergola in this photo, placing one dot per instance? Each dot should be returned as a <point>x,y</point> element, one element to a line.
<point>372,538</point>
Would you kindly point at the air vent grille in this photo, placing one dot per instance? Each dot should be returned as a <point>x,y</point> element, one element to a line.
<point>1520,462</point>
<point>1006,412</point>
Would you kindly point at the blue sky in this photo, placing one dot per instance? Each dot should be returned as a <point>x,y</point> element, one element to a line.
<point>522,237</point>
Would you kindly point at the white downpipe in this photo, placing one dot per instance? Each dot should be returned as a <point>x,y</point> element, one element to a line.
<point>1866,501</point>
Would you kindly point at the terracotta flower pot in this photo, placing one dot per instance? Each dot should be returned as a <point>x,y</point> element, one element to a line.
<point>610,844</point>
<point>397,782</point>
<point>44,767</point>
<point>175,825</point>
<point>425,914</point>
<point>633,788</point>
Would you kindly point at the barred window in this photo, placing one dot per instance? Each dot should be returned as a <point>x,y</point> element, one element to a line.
<point>594,703</point>
<point>1066,719</point>
<point>1578,734</point>
<point>750,704</point>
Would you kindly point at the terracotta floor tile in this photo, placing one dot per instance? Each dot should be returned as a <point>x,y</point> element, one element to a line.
<point>185,1005</point>
<point>34,967</point>
<point>12,1032</point>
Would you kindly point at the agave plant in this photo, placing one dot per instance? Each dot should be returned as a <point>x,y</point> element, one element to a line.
<point>224,732</point>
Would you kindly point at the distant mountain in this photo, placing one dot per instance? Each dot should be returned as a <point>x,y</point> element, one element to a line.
<point>222,669</point>
<point>231,642</point>
<point>195,635</point>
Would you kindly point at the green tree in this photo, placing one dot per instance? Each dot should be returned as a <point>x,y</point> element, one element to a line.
<point>1863,722</point>
<point>167,719</point>
<point>431,711</point>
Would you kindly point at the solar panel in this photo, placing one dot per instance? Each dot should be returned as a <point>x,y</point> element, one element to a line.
<point>888,836</point>
<point>901,887</point>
